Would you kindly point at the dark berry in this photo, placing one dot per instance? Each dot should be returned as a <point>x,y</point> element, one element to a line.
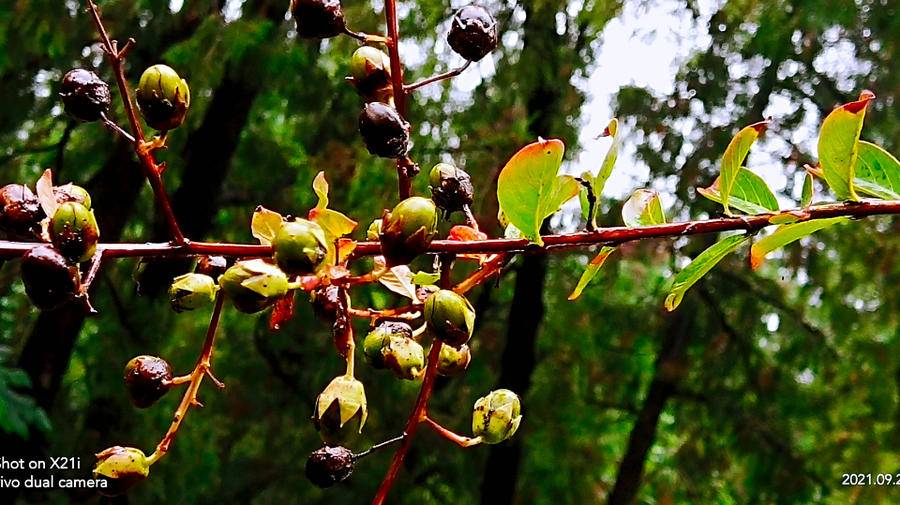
<point>84,95</point>
<point>384,132</point>
<point>370,74</point>
<point>72,193</point>
<point>213,266</point>
<point>48,278</point>
<point>329,465</point>
<point>318,19</point>
<point>328,301</point>
<point>147,379</point>
<point>451,188</point>
<point>473,32</point>
<point>20,211</point>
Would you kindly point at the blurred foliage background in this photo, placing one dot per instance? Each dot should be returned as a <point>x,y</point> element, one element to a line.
<point>763,387</point>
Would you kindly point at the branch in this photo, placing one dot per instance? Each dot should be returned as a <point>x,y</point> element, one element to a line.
<point>405,169</point>
<point>152,170</point>
<point>603,236</point>
<point>437,78</point>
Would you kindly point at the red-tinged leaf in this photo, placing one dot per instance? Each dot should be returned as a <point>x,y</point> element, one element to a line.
<point>591,271</point>
<point>462,233</point>
<point>734,157</point>
<point>282,312</point>
<point>530,189</point>
<point>839,145</point>
<point>345,248</point>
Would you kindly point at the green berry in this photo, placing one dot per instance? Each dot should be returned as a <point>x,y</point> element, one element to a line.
<point>377,339</point>
<point>453,361</point>
<point>147,379</point>
<point>121,468</point>
<point>327,466</point>
<point>163,97</point>
<point>48,278</point>
<point>300,247</point>
<point>72,193</point>
<point>74,231</point>
<point>370,74</point>
<point>192,291</point>
<point>450,317</point>
<point>253,285</point>
<point>408,230</point>
<point>341,411</point>
<point>497,416</point>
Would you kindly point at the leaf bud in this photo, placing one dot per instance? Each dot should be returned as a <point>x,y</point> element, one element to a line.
<point>253,285</point>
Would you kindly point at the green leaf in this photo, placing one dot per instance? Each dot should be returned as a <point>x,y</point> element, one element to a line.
<point>529,188</point>
<point>785,234</point>
<point>839,145</point>
<point>425,278</point>
<point>877,172</point>
<point>806,194</point>
<point>749,194</point>
<point>700,266</point>
<point>599,181</point>
<point>733,159</point>
<point>643,209</point>
<point>265,224</point>
<point>591,271</point>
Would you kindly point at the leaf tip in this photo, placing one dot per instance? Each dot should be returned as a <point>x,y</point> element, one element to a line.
<point>761,126</point>
<point>864,98</point>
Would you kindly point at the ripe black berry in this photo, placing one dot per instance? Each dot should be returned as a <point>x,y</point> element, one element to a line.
<point>147,379</point>
<point>328,301</point>
<point>20,211</point>
<point>473,32</point>
<point>329,465</point>
<point>318,19</point>
<point>385,133</point>
<point>49,281</point>
<point>84,95</point>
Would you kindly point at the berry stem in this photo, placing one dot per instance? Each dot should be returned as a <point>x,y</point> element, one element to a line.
<point>149,165</point>
<point>437,77</point>
<point>451,435</point>
<point>202,369</point>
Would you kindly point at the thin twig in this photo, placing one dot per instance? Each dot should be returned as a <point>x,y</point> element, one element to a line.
<point>437,78</point>
<point>451,435</point>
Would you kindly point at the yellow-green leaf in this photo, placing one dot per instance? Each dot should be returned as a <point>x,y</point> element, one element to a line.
<point>806,194</point>
<point>749,194</point>
<point>529,188</point>
<point>839,145</point>
<point>591,271</point>
<point>320,186</point>
<point>877,172</point>
<point>785,234</point>
<point>734,157</point>
<point>700,266</point>
<point>644,208</point>
<point>599,181</point>
<point>265,224</point>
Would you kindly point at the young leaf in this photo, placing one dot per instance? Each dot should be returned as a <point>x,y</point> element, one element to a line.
<point>700,266</point>
<point>44,188</point>
<point>399,279</point>
<point>265,224</point>
<point>612,130</point>
<point>839,145</point>
<point>425,278</point>
<point>320,186</point>
<point>463,233</point>
<point>734,157</point>
<point>784,235</point>
<point>529,188</point>
<point>877,172</point>
<point>749,194</point>
<point>591,271</point>
<point>806,194</point>
<point>643,209</point>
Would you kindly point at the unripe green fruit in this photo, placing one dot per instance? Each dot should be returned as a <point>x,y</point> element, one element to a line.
<point>192,291</point>
<point>318,19</point>
<point>378,337</point>
<point>48,278</point>
<point>253,285</point>
<point>450,317</point>
<point>473,32</point>
<point>300,247</point>
<point>341,410</point>
<point>163,97</point>
<point>384,131</point>
<point>408,230</point>
<point>451,187</point>
<point>404,357</point>
<point>84,95</point>
<point>370,74</point>
<point>453,361</point>
<point>497,416</point>
<point>329,465</point>
<point>72,193</point>
<point>20,211</point>
<point>74,232</point>
<point>147,379</point>
<point>121,468</point>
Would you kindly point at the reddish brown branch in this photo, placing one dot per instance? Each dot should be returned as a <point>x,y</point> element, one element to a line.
<point>602,236</point>
<point>152,170</point>
<point>404,167</point>
<point>451,435</point>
